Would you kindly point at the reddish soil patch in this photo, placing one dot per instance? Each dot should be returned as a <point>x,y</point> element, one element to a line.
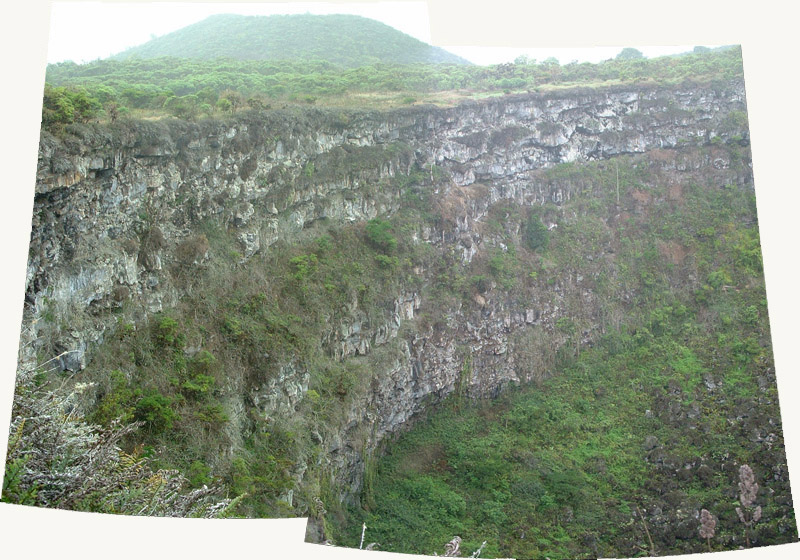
<point>672,250</point>
<point>675,192</point>
<point>641,196</point>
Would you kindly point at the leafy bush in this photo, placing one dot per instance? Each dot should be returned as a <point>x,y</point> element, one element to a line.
<point>155,410</point>
<point>336,381</point>
<point>378,234</point>
<point>503,266</point>
<point>56,460</point>
<point>304,266</point>
<point>198,385</point>
<point>203,362</point>
<point>166,333</point>
<point>224,105</point>
<point>67,105</point>
<point>117,402</point>
<point>536,234</point>
<point>387,262</point>
<point>232,327</point>
<point>184,107</point>
<point>212,414</point>
<point>719,278</point>
<point>199,474</point>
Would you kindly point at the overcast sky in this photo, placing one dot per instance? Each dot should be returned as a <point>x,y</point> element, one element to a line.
<point>86,31</point>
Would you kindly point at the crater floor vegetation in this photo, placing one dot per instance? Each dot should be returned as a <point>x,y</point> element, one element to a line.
<point>547,337</point>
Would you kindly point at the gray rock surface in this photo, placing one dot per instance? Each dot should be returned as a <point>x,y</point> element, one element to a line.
<point>112,208</point>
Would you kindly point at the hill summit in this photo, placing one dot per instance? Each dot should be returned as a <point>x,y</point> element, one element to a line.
<point>346,40</point>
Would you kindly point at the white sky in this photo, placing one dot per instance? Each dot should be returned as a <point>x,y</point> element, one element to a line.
<point>86,31</point>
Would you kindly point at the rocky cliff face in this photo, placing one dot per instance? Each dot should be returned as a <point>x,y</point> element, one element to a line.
<point>116,207</point>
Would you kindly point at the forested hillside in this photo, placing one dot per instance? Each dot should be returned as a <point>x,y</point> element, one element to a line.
<point>344,40</point>
<point>191,88</point>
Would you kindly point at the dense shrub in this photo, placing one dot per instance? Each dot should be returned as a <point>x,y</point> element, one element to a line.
<point>155,410</point>
<point>67,105</point>
<point>166,333</point>
<point>378,234</point>
<point>57,460</point>
<point>536,234</point>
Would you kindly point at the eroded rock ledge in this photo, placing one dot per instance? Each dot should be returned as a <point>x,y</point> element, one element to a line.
<point>114,206</point>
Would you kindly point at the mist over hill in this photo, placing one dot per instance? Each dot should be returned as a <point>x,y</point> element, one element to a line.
<point>347,40</point>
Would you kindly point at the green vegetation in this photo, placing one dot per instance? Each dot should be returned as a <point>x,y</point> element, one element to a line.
<point>344,40</point>
<point>62,106</point>
<point>629,53</point>
<point>638,320</point>
<point>377,231</point>
<point>558,470</point>
<point>178,373</point>
<point>536,235</point>
<point>57,460</point>
<point>649,417</point>
<point>194,88</point>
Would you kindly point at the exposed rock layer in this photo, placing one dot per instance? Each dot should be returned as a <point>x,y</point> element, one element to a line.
<point>115,207</point>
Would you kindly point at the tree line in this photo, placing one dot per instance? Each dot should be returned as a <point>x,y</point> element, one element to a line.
<point>187,88</point>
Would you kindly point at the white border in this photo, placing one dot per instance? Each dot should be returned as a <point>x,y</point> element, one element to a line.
<point>767,32</point>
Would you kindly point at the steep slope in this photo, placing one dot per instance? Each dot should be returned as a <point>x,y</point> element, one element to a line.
<point>277,294</point>
<point>345,40</point>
